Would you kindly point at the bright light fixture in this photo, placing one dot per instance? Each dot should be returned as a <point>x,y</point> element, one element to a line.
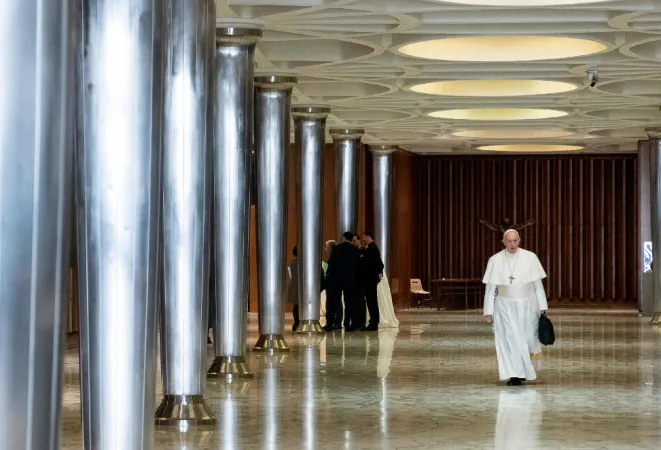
<point>512,134</point>
<point>493,88</point>
<point>498,114</point>
<point>522,2</point>
<point>502,48</point>
<point>530,148</point>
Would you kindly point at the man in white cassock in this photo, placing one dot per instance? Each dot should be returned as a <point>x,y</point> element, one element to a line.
<point>513,302</point>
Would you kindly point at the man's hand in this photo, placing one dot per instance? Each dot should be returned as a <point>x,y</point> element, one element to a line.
<point>380,276</point>
<point>488,318</point>
<point>544,311</point>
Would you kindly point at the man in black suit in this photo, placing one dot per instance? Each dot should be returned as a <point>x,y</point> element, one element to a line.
<point>343,266</point>
<point>360,308</point>
<point>372,274</point>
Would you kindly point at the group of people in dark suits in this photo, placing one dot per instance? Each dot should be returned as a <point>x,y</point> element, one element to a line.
<point>354,270</point>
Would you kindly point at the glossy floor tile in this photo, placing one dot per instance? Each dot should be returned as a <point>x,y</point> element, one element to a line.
<point>432,384</point>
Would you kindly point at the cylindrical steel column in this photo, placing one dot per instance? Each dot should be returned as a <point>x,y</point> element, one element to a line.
<point>35,199</point>
<point>310,138</point>
<point>233,133</point>
<point>272,116</point>
<point>347,154</point>
<point>119,170</point>
<point>655,213</point>
<point>382,180</point>
<point>189,47</point>
<point>645,278</point>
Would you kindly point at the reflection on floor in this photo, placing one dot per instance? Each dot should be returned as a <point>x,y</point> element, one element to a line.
<point>433,384</point>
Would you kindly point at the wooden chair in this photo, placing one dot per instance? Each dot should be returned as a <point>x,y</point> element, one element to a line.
<point>418,293</point>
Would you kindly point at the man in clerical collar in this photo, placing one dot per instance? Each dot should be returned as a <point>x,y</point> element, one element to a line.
<point>517,275</point>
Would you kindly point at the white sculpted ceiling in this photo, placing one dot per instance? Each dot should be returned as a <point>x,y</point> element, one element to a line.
<point>350,55</point>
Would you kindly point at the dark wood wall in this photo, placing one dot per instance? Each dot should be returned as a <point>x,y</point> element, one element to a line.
<point>584,207</point>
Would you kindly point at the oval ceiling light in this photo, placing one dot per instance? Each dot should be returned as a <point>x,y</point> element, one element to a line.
<point>498,114</point>
<point>502,48</point>
<point>530,148</point>
<point>512,134</point>
<point>523,2</point>
<point>493,88</point>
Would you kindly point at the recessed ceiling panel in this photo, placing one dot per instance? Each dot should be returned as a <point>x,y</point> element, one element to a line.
<point>498,114</point>
<point>530,148</point>
<point>400,135</point>
<point>370,115</point>
<point>502,48</point>
<point>526,3</point>
<point>512,134</point>
<point>493,88</point>
<point>329,90</point>
<point>635,88</point>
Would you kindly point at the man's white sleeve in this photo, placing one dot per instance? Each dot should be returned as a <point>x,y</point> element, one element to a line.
<point>541,295</point>
<point>489,296</point>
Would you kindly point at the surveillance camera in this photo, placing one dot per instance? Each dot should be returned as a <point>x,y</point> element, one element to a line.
<point>593,78</point>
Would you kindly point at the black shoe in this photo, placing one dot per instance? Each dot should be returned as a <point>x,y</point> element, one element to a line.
<point>369,329</point>
<point>328,328</point>
<point>349,329</point>
<point>293,327</point>
<point>514,382</point>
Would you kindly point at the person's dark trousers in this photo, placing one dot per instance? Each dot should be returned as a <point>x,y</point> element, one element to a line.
<point>358,309</point>
<point>350,295</point>
<point>334,305</point>
<point>211,321</point>
<point>296,318</point>
<point>372,304</point>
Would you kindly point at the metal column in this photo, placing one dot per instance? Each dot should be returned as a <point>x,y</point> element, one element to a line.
<point>310,138</point>
<point>119,169</point>
<point>645,277</point>
<point>383,174</point>
<point>347,153</point>
<point>189,47</point>
<point>655,213</point>
<point>233,133</point>
<point>272,117</point>
<point>36,197</point>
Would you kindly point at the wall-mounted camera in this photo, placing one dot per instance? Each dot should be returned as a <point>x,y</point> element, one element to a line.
<point>593,78</point>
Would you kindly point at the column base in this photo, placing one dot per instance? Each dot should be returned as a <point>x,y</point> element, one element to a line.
<point>272,343</point>
<point>229,367</point>
<point>177,410</point>
<point>656,319</point>
<point>309,327</point>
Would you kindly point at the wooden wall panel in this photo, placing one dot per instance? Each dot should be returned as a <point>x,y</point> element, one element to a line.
<point>403,242</point>
<point>585,211</point>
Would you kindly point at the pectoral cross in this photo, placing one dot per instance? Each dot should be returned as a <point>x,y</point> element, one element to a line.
<point>511,277</point>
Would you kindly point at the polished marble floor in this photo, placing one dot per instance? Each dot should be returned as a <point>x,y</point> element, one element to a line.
<point>433,384</point>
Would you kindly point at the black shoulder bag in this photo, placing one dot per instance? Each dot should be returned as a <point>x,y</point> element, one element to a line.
<point>546,333</point>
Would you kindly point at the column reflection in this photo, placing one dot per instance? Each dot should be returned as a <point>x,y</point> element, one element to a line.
<point>312,348</point>
<point>269,365</point>
<point>229,411</point>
